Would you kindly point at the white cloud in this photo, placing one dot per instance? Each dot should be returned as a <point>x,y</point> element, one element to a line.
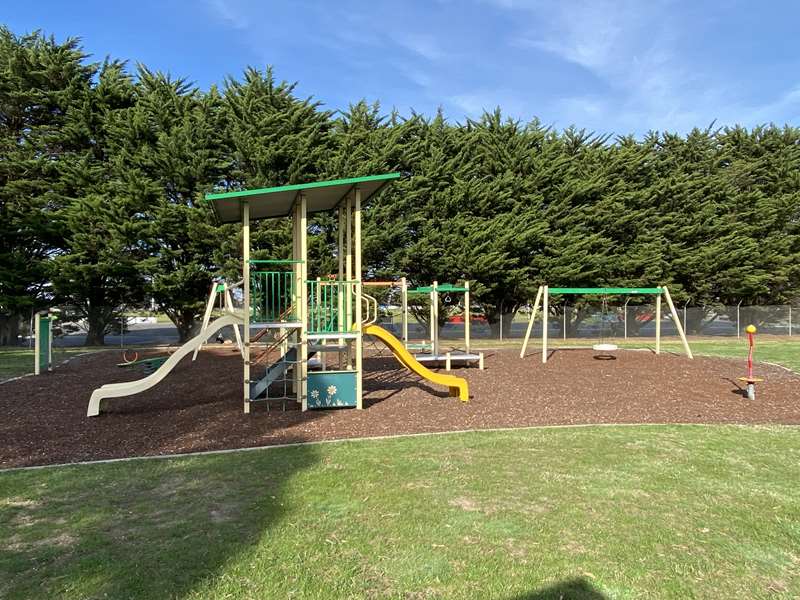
<point>423,45</point>
<point>589,34</point>
<point>475,102</point>
<point>228,11</point>
<point>787,105</point>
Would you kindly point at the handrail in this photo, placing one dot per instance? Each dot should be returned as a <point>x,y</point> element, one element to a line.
<point>273,345</point>
<point>369,301</point>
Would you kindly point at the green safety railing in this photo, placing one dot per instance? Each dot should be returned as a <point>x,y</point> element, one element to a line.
<point>272,296</point>
<point>330,306</point>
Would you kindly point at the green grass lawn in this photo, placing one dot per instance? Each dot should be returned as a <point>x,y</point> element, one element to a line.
<point>783,351</point>
<point>587,513</point>
<point>19,361</point>
<point>779,351</point>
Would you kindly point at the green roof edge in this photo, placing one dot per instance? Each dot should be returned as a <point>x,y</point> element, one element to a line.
<point>302,186</point>
<point>610,291</point>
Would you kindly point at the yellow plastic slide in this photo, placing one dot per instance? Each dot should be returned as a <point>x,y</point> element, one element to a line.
<point>456,385</point>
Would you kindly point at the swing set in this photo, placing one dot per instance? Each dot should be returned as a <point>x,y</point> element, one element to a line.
<point>604,349</point>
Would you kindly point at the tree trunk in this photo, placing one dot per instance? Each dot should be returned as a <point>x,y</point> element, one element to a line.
<point>494,320</point>
<point>9,329</point>
<point>97,321</point>
<point>185,324</point>
<point>573,324</point>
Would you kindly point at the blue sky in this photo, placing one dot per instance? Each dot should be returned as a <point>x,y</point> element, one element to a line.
<point>609,66</point>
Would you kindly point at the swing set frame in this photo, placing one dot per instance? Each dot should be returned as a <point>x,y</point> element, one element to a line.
<point>543,299</point>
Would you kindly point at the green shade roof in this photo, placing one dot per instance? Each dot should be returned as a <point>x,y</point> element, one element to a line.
<point>268,203</point>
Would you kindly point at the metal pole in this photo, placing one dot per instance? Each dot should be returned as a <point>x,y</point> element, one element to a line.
<point>658,323</point>
<point>684,313</point>
<point>625,317</point>
<point>545,314</point>
<point>738,327</point>
<point>790,320</point>
<point>564,326</point>
<point>501,320</point>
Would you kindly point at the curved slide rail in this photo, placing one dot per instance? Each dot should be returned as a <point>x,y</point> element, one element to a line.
<point>128,388</point>
<point>456,385</point>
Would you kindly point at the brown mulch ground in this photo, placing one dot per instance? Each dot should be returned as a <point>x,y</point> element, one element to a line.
<point>198,406</point>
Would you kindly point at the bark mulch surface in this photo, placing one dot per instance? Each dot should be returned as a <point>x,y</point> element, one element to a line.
<point>198,406</point>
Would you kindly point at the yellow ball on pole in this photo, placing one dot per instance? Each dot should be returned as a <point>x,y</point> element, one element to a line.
<point>750,329</point>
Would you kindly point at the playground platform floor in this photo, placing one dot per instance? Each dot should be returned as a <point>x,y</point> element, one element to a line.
<point>198,406</point>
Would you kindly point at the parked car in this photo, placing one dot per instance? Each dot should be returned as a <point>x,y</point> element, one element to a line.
<point>459,319</point>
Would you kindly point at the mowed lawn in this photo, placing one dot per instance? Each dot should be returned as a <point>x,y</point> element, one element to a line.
<point>583,512</point>
<point>783,351</point>
<point>19,361</point>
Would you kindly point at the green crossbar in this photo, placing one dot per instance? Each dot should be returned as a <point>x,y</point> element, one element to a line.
<point>605,291</point>
<point>277,261</point>
<point>444,287</point>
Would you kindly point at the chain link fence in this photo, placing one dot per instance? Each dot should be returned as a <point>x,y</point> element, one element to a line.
<point>583,322</point>
<point>594,323</point>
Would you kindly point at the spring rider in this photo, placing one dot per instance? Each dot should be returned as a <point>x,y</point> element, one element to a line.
<point>750,380</point>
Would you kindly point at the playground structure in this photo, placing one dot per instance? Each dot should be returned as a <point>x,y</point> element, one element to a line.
<point>289,320</point>
<point>435,354</point>
<point>117,390</point>
<point>750,390</point>
<point>220,291</point>
<point>603,348</point>
<point>43,341</point>
<point>430,350</point>
<point>402,285</point>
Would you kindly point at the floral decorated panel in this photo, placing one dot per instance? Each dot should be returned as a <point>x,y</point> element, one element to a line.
<point>331,389</point>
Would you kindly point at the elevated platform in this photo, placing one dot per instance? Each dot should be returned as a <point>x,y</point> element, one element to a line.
<point>451,357</point>
<point>275,325</point>
<point>419,346</point>
<point>332,336</point>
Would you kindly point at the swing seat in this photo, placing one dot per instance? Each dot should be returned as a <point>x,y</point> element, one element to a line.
<point>605,347</point>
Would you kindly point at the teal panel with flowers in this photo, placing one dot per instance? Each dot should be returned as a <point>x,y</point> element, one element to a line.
<point>331,389</point>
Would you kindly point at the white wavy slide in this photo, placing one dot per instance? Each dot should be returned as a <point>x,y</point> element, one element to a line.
<point>128,388</point>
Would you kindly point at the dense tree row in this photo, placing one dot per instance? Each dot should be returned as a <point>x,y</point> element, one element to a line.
<point>103,167</point>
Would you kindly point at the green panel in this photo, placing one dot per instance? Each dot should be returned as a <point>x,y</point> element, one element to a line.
<point>604,291</point>
<point>44,342</point>
<point>272,296</point>
<point>331,389</point>
<point>323,305</point>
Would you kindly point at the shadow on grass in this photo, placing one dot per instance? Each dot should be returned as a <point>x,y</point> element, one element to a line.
<point>143,529</point>
<point>571,589</point>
